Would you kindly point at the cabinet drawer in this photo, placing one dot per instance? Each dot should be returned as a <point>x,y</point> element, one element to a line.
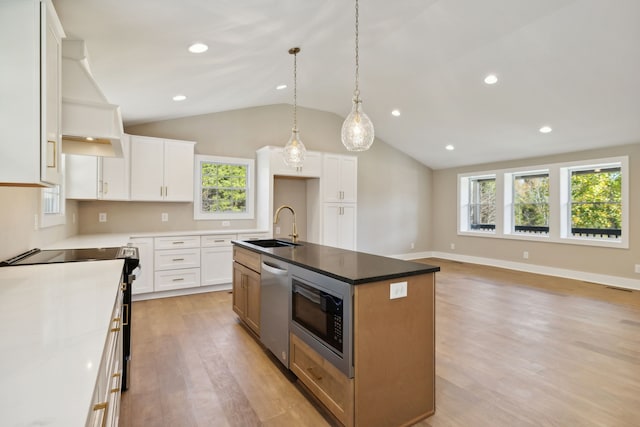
<point>178,258</point>
<point>247,258</point>
<point>254,236</point>
<point>177,242</point>
<point>325,381</point>
<point>177,279</point>
<point>217,240</point>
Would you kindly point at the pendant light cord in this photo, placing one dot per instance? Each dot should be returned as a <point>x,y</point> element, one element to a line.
<point>295,91</point>
<point>356,92</point>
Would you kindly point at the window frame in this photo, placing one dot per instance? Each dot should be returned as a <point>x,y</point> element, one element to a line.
<point>559,202</point>
<point>59,218</point>
<point>464,199</point>
<point>249,213</point>
<point>509,227</point>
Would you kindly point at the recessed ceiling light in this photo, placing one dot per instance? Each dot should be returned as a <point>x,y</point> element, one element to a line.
<point>491,79</point>
<point>280,87</point>
<point>545,129</point>
<point>395,113</point>
<point>450,147</point>
<point>179,98</point>
<point>198,48</point>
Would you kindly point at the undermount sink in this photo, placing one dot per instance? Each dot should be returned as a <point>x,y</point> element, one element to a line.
<point>272,243</point>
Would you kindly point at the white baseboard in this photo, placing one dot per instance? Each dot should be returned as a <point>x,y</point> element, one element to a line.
<point>601,279</point>
<point>181,292</point>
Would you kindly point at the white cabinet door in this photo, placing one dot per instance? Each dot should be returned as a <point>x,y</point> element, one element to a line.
<point>81,177</point>
<point>147,168</point>
<point>339,225</point>
<point>311,168</point>
<point>339,178</point>
<point>161,169</point>
<point>216,265</point>
<point>31,97</point>
<point>178,171</point>
<point>144,276</point>
<point>115,175</point>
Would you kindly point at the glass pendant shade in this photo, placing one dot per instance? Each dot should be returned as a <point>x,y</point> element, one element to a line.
<point>294,151</point>
<point>357,129</point>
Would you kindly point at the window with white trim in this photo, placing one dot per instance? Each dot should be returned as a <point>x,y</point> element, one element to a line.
<point>479,207</point>
<point>584,202</point>
<point>223,188</point>
<point>52,203</point>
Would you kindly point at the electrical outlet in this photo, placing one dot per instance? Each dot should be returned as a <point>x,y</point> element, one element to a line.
<point>226,223</point>
<point>398,290</point>
<point>164,217</point>
<point>453,246</point>
<point>637,268</point>
<point>525,255</point>
<point>35,222</point>
<point>277,230</point>
<point>73,218</point>
<point>413,245</point>
<point>102,217</point>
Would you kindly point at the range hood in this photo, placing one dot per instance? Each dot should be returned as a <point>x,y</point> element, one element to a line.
<point>90,124</point>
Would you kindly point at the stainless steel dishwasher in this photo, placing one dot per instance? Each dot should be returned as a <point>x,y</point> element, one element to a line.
<point>275,307</point>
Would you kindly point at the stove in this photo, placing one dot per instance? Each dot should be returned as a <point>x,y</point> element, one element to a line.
<point>131,262</point>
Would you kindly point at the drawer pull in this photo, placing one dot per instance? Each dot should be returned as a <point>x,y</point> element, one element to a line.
<point>125,309</point>
<point>219,241</point>
<point>178,243</point>
<point>102,406</point>
<point>179,279</point>
<point>177,259</point>
<point>116,376</point>
<point>314,375</point>
<point>117,322</point>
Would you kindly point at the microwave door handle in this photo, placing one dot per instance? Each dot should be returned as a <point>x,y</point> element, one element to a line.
<point>315,298</point>
<point>274,269</point>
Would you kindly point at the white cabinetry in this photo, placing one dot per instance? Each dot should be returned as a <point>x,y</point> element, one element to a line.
<point>339,225</point>
<point>30,122</point>
<point>340,194</point>
<point>161,169</point>
<point>311,168</point>
<point>144,275</point>
<point>177,262</point>
<point>105,407</point>
<point>216,266</point>
<point>103,178</point>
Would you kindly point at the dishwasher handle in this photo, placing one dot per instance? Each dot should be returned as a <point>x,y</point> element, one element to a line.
<point>274,269</point>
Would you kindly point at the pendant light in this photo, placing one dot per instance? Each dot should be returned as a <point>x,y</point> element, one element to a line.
<point>357,129</point>
<point>294,151</point>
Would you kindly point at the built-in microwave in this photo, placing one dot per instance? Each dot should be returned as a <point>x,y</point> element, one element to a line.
<point>321,316</point>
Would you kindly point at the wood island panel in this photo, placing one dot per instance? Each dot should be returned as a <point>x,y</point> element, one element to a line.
<point>394,350</point>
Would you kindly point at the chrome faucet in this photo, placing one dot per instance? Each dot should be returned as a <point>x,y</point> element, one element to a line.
<point>294,232</point>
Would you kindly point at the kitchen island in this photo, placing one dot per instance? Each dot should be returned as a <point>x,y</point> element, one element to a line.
<point>391,331</point>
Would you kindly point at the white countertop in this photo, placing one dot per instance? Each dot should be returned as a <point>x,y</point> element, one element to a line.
<point>54,321</point>
<point>107,240</point>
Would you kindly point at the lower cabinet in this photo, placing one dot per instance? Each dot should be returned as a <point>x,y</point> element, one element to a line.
<point>246,288</point>
<point>176,263</point>
<point>216,259</point>
<point>326,382</point>
<point>339,228</point>
<point>105,404</point>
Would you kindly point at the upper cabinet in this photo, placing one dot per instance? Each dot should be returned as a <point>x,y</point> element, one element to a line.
<point>340,178</point>
<point>98,178</point>
<point>161,169</point>
<point>30,83</point>
<point>310,169</point>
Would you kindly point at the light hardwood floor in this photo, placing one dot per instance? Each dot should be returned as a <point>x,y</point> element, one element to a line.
<point>512,349</point>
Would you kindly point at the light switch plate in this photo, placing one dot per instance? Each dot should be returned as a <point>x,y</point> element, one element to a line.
<point>398,290</point>
<point>164,217</point>
<point>102,217</point>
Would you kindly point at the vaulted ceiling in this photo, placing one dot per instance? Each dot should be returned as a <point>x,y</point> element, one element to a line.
<point>573,65</point>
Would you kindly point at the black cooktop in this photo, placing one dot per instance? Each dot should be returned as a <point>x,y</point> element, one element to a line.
<point>37,256</point>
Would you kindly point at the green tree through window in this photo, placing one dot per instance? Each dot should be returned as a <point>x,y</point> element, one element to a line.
<point>596,199</point>
<point>224,187</point>
<point>531,203</point>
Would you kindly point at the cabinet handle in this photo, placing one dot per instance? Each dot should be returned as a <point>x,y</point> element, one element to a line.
<point>161,191</point>
<point>178,259</point>
<point>179,279</point>
<point>314,375</point>
<point>117,376</point>
<point>102,406</point>
<point>105,187</point>
<point>219,241</point>
<point>166,191</point>
<point>54,157</point>
<point>117,327</point>
<point>178,243</point>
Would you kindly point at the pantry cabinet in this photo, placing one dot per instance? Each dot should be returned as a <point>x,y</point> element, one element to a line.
<point>30,83</point>
<point>339,225</point>
<point>340,178</point>
<point>161,169</point>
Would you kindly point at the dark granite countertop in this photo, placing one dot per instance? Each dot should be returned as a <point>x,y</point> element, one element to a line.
<point>348,266</point>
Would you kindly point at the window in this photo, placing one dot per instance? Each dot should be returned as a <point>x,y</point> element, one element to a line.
<point>223,188</point>
<point>596,202</point>
<point>482,204</point>
<point>531,203</point>
<point>583,202</point>
<point>52,204</point>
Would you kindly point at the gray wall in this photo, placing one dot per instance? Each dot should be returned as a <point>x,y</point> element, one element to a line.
<point>393,189</point>
<point>19,205</point>
<point>610,261</point>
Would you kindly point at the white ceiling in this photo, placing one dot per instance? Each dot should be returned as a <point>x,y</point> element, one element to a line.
<point>571,64</point>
